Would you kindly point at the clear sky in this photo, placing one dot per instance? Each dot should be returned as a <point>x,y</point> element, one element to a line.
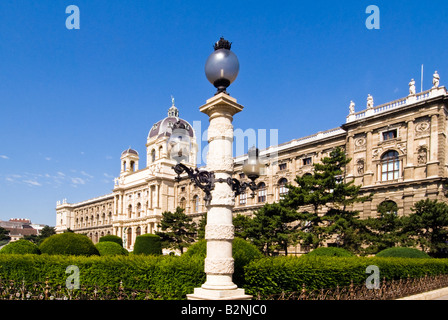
<point>72,100</point>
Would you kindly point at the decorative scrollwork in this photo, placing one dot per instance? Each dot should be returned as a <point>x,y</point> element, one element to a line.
<point>206,181</point>
<point>203,179</point>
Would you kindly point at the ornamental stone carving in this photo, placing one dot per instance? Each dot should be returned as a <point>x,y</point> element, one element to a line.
<point>219,266</point>
<point>422,154</point>
<point>219,232</point>
<point>360,143</point>
<point>220,131</point>
<point>422,128</point>
<point>360,166</point>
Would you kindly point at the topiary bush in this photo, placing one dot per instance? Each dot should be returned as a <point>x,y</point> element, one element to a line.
<point>109,248</point>
<point>112,238</point>
<point>401,252</point>
<point>68,244</point>
<point>20,247</point>
<point>148,244</point>
<point>243,253</point>
<point>330,252</point>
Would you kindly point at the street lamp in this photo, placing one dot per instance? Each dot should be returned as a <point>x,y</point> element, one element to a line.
<point>221,69</point>
<point>222,66</point>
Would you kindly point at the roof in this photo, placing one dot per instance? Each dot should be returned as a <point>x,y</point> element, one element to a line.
<point>163,128</point>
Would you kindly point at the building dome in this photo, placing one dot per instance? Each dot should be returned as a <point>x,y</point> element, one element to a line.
<point>163,128</point>
<point>129,151</point>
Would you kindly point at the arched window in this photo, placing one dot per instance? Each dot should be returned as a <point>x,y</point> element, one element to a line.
<point>183,203</point>
<point>138,232</point>
<point>282,190</point>
<point>130,211</point>
<point>160,152</point>
<point>387,207</point>
<point>129,237</point>
<point>153,155</point>
<point>261,192</point>
<point>196,204</point>
<point>390,166</point>
<point>139,209</point>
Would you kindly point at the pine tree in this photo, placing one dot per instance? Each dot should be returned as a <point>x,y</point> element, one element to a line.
<point>178,230</point>
<point>323,199</point>
<point>272,228</point>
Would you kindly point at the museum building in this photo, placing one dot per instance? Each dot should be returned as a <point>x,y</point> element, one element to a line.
<point>398,151</point>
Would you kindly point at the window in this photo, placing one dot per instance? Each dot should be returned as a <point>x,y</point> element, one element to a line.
<point>139,209</point>
<point>388,135</point>
<point>130,211</point>
<point>390,166</point>
<point>153,155</point>
<point>243,198</point>
<point>282,166</point>
<point>307,161</point>
<point>182,203</point>
<point>195,204</point>
<point>282,190</point>
<point>262,192</point>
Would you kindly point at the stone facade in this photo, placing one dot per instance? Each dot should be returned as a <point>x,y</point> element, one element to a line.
<point>398,152</point>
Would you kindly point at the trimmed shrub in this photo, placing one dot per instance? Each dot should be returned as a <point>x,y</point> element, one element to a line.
<point>148,244</point>
<point>401,252</point>
<point>274,275</point>
<point>68,243</point>
<point>109,248</point>
<point>20,247</point>
<point>112,238</point>
<point>330,252</point>
<point>164,277</point>
<point>243,253</point>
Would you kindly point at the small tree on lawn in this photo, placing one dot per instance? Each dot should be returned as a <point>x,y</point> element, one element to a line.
<point>178,230</point>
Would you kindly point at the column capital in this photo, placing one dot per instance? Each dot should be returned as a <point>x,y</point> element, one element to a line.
<point>221,103</point>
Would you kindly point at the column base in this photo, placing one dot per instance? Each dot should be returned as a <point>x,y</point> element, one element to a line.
<point>209,294</point>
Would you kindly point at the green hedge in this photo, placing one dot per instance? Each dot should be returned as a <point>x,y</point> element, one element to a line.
<point>243,253</point>
<point>20,247</point>
<point>274,275</point>
<point>112,238</point>
<point>148,244</point>
<point>400,252</point>
<point>109,248</point>
<point>68,243</point>
<point>166,277</point>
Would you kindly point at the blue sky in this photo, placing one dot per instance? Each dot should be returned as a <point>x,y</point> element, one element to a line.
<point>72,100</point>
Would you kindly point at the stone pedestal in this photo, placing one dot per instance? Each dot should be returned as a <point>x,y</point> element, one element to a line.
<point>219,231</point>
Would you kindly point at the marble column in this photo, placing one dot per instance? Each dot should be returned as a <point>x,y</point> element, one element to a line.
<point>219,231</point>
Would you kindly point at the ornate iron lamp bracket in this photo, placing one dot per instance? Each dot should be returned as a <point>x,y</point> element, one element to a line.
<point>203,179</point>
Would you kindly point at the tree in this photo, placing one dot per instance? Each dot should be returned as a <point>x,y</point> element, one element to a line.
<point>201,227</point>
<point>46,232</point>
<point>427,226</point>
<point>323,199</point>
<point>242,224</point>
<point>272,228</point>
<point>4,235</point>
<point>178,230</point>
<point>385,231</point>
